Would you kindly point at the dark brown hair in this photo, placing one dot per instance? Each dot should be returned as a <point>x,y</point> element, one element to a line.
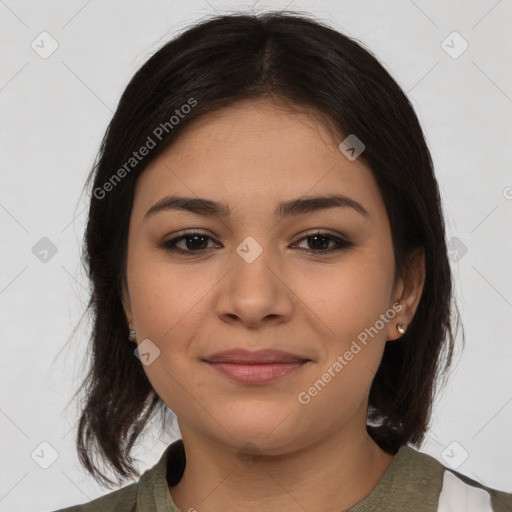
<point>287,57</point>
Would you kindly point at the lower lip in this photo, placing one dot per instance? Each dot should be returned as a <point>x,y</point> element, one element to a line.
<point>256,373</point>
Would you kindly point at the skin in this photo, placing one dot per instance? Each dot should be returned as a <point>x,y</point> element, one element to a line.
<point>315,457</point>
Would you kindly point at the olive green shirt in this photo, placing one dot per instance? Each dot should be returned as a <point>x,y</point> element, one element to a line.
<point>414,482</point>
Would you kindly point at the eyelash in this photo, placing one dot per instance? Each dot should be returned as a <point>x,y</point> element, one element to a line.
<point>170,245</point>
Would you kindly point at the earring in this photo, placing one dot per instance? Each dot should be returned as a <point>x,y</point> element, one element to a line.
<point>400,327</point>
<point>132,334</point>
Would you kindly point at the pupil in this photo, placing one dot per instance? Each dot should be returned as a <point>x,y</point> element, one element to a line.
<point>320,245</point>
<point>195,237</point>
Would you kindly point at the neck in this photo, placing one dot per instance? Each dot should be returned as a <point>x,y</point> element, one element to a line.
<point>333,474</point>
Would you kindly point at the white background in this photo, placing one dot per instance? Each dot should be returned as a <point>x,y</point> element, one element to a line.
<point>54,112</point>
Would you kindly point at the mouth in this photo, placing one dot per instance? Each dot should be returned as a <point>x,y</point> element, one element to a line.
<point>255,367</point>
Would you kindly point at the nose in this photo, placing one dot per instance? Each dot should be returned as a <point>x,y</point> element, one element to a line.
<point>255,293</point>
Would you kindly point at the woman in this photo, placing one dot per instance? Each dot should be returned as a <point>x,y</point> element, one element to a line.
<point>267,252</point>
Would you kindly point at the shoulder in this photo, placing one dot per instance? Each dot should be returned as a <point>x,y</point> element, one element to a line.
<point>460,489</point>
<point>417,481</point>
<point>149,494</point>
<point>124,499</point>
<point>456,490</point>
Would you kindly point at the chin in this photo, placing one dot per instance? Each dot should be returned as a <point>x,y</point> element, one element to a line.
<point>268,435</point>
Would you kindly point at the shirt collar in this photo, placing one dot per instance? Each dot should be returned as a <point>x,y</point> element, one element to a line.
<point>153,489</point>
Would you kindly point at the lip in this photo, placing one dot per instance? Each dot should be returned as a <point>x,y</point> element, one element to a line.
<point>263,356</point>
<point>257,367</point>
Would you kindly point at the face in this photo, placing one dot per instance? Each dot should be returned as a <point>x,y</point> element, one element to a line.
<point>310,283</point>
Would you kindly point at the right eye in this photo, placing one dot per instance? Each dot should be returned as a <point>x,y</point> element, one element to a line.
<point>196,239</point>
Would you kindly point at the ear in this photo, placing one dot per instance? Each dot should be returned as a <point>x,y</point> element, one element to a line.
<point>127,305</point>
<point>407,290</point>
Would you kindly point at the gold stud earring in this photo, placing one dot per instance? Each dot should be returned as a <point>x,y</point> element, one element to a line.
<point>400,327</point>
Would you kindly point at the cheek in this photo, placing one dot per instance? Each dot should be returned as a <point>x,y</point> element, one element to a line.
<point>346,298</point>
<point>352,351</point>
<point>168,306</point>
<point>348,303</point>
<point>166,299</point>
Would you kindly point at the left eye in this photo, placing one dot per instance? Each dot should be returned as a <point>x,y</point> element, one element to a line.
<point>195,243</point>
<point>320,240</point>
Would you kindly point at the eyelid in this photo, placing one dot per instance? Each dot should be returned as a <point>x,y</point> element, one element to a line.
<point>308,232</point>
<point>318,232</point>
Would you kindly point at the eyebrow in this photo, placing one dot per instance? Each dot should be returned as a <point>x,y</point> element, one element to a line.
<point>208,207</point>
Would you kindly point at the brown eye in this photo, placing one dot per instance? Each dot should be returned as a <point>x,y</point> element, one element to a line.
<point>318,242</point>
<point>195,242</point>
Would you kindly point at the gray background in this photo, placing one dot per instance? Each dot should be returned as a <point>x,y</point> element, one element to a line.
<point>54,112</point>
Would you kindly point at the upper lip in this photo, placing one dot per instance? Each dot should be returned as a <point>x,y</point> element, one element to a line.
<point>243,356</point>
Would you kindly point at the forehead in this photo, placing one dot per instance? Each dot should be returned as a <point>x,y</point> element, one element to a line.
<point>253,154</point>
